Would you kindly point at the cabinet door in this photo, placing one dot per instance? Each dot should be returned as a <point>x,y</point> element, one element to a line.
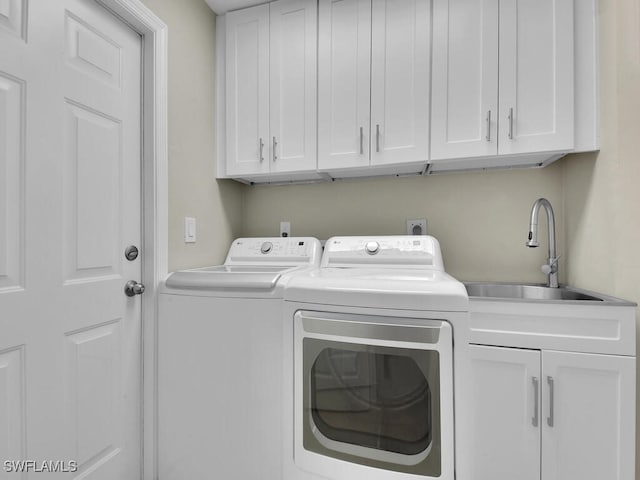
<point>344,93</point>
<point>589,417</point>
<point>247,94</point>
<point>293,97</point>
<point>506,414</point>
<point>464,99</point>
<point>400,79</point>
<point>536,76</point>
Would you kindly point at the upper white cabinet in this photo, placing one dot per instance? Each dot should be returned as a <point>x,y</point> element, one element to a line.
<point>271,91</point>
<point>247,81</point>
<point>344,83</point>
<point>321,89</point>
<point>503,78</point>
<point>292,84</point>
<point>373,81</point>
<point>465,79</point>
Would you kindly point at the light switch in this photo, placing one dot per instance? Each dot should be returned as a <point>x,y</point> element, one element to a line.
<point>189,230</point>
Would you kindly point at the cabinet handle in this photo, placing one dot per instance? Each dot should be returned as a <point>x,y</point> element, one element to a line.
<point>377,137</point>
<point>511,124</point>
<point>275,144</point>
<point>488,137</point>
<point>261,146</point>
<point>536,386</point>
<point>361,141</point>
<point>550,418</point>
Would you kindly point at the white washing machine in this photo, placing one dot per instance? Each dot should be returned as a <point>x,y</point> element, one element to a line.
<point>370,361</point>
<point>220,362</point>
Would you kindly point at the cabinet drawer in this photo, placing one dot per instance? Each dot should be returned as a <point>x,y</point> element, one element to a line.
<point>575,328</point>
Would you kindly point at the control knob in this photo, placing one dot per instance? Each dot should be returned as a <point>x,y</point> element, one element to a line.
<point>372,248</point>
<point>266,247</point>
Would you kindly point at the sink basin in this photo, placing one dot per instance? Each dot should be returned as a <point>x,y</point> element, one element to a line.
<point>516,291</point>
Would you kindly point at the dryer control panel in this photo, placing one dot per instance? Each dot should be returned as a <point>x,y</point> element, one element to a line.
<point>406,251</point>
<point>274,250</point>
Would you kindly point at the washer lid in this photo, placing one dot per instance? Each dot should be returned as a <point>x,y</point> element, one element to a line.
<point>228,277</point>
<point>252,264</point>
<point>391,288</point>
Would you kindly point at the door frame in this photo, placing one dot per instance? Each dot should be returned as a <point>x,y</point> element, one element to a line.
<point>154,204</point>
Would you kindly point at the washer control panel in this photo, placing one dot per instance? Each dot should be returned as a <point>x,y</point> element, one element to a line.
<point>274,250</point>
<point>414,251</point>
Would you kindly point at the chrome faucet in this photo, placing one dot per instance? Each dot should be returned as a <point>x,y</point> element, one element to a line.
<point>551,269</point>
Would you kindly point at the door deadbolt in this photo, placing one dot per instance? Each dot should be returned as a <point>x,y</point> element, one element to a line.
<point>133,288</point>
<point>131,253</point>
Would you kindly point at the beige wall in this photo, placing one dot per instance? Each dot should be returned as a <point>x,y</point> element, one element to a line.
<point>602,191</point>
<point>193,192</point>
<point>480,219</point>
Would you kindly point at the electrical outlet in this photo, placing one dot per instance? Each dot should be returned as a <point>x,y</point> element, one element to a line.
<point>417,227</point>
<point>285,229</point>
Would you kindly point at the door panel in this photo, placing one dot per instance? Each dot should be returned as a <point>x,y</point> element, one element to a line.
<point>400,79</point>
<point>506,443</point>
<point>593,416</point>
<point>13,17</point>
<point>12,118</point>
<point>344,91</point>
<point>92,53</point>
<point>465,79</point>
<point>70,345</point>
<point>293,85</point>
<point>94,353</point>
<point>12,412</point>
<point>92,194</point>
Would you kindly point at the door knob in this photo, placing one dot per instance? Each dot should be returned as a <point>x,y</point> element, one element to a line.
<point>132,288</point>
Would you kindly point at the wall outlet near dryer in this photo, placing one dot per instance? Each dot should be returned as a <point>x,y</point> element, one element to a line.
<point>417,227</point>
<point>285,229</point>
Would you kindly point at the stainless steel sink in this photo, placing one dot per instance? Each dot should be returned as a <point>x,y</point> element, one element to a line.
<point>517,291</point>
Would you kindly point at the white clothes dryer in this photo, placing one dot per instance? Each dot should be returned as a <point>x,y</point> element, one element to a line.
<point>370,361</point>
<point>220,362</point>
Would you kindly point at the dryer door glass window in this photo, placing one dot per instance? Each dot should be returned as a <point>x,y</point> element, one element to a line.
<point>374,405</point>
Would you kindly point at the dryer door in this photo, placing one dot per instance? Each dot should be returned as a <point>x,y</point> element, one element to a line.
<point>370,390</point>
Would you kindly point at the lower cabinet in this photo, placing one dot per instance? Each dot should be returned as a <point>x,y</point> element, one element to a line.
<point>551,415</point>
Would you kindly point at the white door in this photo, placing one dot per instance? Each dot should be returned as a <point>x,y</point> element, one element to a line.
<point>344,90</point>
<point>536,76</point>
<point>70,363</point>
<point>464,100</point>
<point>293,81</point>
<point>588,416</point>
<point>505,407</point>
<point>400,81</point>
<point>247,94</point>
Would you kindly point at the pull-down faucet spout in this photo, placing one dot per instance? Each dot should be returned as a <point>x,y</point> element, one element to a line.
<point>551,269</point>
